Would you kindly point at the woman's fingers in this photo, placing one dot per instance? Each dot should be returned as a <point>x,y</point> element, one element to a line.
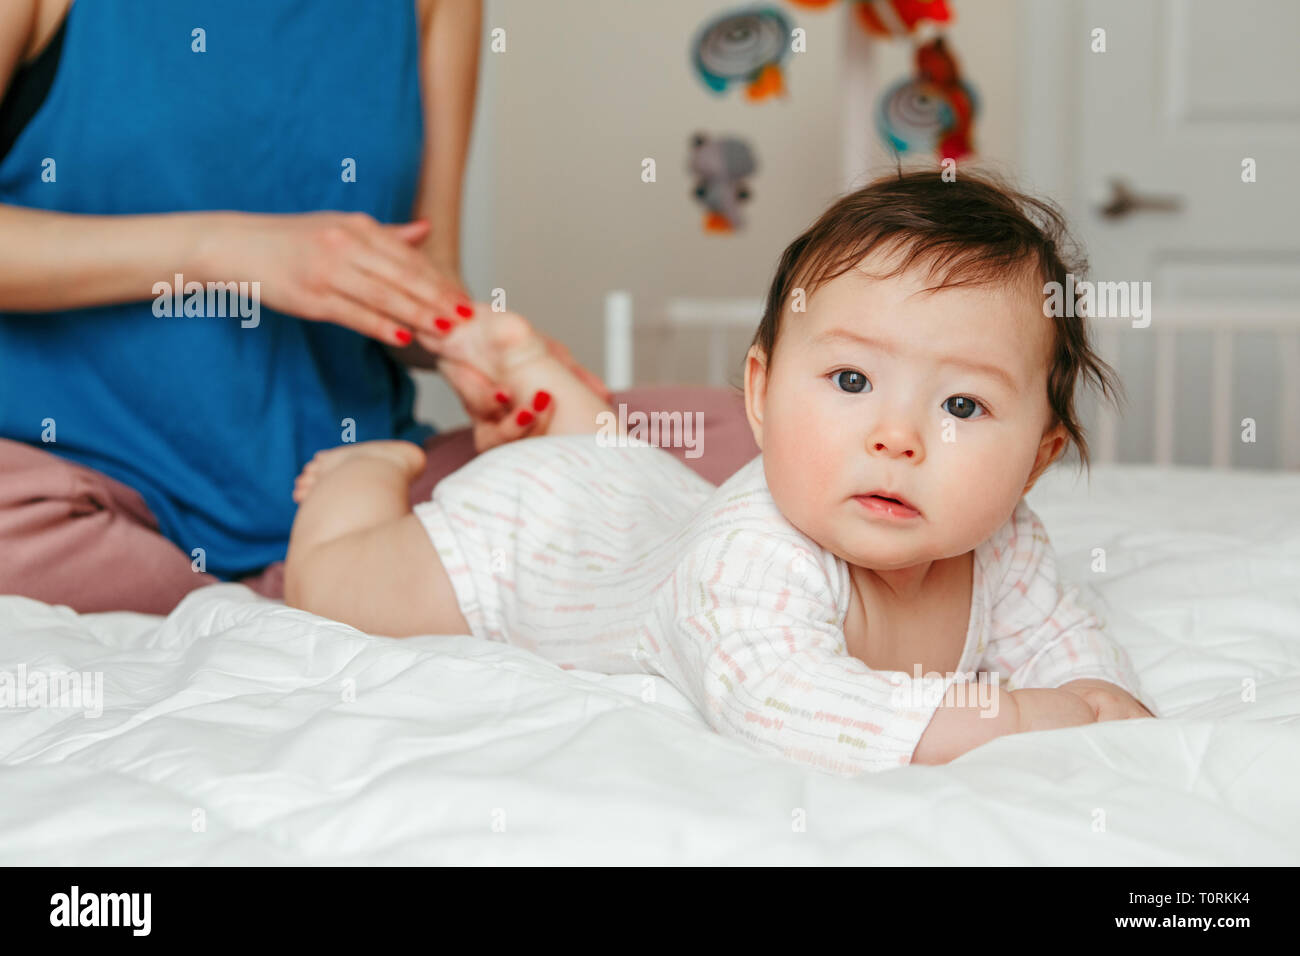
<point>338,308</point>
<point>370,292</point>
<point>417,292</point>
<point>397,245</point>
<point>530,418</point>
<point>421,289</point>
<point>414,232</point>
<point>483,399</point>
<point>464,341</point>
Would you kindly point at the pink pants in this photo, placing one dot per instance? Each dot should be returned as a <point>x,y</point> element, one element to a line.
<point>72,535</point>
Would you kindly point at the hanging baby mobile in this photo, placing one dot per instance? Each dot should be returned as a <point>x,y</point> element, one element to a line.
<point>889,18</point>
<point>744,46</point>
<point>932,111</point>
<point>720,167</point>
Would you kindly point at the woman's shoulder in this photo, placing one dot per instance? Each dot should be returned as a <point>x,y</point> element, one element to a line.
<point>46,18</point>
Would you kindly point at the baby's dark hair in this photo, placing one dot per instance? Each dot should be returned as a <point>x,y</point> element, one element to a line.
<point>968,231</point>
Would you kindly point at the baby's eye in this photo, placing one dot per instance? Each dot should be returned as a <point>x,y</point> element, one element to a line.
<point>850,381</point>
<point>963,407</point>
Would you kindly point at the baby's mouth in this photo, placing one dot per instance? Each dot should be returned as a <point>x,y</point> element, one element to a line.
<point>888,506</point>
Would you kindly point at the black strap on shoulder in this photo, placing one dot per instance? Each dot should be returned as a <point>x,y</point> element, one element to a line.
<point>30,85</point>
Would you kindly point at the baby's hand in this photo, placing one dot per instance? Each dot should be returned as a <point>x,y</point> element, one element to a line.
<point>1043,709</point>
<point>1108,701</point>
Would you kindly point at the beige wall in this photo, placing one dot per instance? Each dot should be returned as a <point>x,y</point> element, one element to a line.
<point>556,212</point>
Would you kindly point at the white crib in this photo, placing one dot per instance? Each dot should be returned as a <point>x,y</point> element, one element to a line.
<point>721,318</point>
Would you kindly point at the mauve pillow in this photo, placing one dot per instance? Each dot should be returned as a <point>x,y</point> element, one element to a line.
<point>724,444</point>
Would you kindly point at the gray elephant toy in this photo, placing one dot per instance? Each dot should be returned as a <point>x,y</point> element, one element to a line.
<point>720,167</point>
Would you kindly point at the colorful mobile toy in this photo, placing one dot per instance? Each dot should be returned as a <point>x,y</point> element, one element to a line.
<point>933,111</point>
<point>720,167</point>
<point>745,46</point>
<point>889,18</point>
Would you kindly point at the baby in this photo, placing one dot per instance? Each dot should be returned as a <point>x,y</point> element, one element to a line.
<point>838,599</point>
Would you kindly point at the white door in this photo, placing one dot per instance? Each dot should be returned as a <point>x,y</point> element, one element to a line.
<point>1185,95</point>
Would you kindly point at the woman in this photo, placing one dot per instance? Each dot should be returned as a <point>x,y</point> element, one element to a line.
<point>146,450</point>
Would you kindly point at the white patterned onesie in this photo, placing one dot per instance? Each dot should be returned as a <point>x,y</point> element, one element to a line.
<point>623,560</point>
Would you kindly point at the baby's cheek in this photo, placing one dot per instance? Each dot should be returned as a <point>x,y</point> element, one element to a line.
<point>803,437</point>
<point>981,482</point>
<point>792,480</point>
<point>801,474</point>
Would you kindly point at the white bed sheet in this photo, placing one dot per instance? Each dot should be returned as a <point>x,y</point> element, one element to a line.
<point>234,712</point>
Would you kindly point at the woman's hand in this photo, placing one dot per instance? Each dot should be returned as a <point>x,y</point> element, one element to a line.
<point>469,360</point>
<point>475,390</point>
<point>345,268</point>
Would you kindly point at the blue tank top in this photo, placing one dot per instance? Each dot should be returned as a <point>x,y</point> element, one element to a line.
<point>208,419</point>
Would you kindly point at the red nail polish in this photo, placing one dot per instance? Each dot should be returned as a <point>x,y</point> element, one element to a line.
<point>442,324</point>
<point>464,311</point>
<point>524,417</point>
<point>403,337</point>
<point>503,398</point>
<point>541,400</point>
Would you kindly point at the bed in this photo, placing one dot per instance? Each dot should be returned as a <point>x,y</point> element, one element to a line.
<point>240,731</point>
<point>237,730</point>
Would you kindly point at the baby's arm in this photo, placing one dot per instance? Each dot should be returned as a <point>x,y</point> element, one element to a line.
<point>1108,701</point>
<point>1042,636</point>
<point>957,729</point>
<point>788,686</point>
<point>961,726</point>
<point>757,642</point>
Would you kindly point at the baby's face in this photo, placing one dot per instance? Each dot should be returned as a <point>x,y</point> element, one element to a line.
<point>875,387</point>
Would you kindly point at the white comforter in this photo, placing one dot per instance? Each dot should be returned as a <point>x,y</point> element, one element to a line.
<point>237,730</point>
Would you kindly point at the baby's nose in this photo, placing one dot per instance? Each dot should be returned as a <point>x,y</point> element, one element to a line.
<point>895,441</point>
<point>895,448</point>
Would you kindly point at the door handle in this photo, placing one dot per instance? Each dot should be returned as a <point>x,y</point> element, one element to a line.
<point>1123,201</point>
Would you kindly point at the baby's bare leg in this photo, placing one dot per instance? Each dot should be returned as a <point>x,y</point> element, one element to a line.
<point>359,555</point>
<point>576,408</point>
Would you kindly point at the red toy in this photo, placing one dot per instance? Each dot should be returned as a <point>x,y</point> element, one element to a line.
<point>936,66</point>
<point>887,18</point>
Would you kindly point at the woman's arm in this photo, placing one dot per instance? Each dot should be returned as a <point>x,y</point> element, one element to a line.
<point>344,268</point>
<point>449,79</point>
<point>449,42</point>
<point>17,22</point>
<point>51,260</point>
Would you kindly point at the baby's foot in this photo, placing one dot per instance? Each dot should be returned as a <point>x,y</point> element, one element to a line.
<point>404,454</point>
<point>506,347</point>
<point>487,341</point>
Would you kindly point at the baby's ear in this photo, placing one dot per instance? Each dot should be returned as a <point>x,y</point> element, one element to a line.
<point>755,391</point>
<point>1049,449</point>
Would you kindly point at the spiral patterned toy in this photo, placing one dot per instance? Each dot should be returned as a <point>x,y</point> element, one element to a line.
<point>931,112</point>
<point>745,46</point>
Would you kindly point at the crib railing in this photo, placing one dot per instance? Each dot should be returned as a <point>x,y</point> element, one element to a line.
<point>1223,324</point>
<point>719,318</point>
